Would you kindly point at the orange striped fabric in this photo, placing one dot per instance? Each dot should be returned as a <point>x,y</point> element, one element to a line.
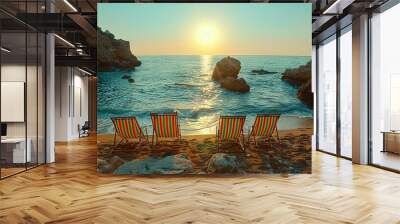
<point>265,125</point>
<point>127,127</point>
<point>165,125</point>
<point>230,127</point>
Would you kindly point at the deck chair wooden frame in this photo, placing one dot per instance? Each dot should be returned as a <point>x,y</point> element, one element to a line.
<point>265,125</point>
<point>165,125</point>
<point>128,128</point>
<point>230,128</point>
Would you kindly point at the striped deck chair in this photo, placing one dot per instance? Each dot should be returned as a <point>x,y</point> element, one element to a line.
<point>165,125</point>
<point>127,128</point>
<point>231,128</point>
<point>265,125</point>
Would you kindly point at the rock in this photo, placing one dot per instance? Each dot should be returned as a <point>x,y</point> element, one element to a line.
<point>299,163</point>
<point>298,76</point>
<point>126,77</point>
<point>238,85</point>
<point>174,164</point>
<point>267,167</point>
<point>116,162</point>
<point>301,77</point>
<point>101,162</point>
<point>261,72</point>
<point>305,95</point>
<point>103,166</point>
<point>226,72</point>
<point>114,53</point>
<point>223,163</point>
<point>134,167</point>
<point>226,67</point>
<point>130,80</point>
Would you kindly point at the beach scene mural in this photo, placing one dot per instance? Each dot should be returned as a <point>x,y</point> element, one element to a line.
<point>204,88</point>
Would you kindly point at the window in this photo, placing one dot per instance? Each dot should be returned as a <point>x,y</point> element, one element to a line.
<point>385,89</point>
<point>346,92</point>
<point>327,95</point>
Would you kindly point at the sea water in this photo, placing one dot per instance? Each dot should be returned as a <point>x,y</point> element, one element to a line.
<point>184,84</point>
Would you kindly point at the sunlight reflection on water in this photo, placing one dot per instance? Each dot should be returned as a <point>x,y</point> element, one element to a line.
<point>183,84</point>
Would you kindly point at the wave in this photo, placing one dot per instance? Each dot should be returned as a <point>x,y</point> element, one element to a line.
<point>188,85</point>
<point>183,84</point>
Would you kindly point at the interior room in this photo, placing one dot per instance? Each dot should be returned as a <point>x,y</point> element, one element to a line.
<point>22,102</point>
<point>157,111</point>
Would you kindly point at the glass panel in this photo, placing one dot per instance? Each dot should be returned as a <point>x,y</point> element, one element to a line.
<point>13,86</point>
<point>346,94</point>
<point>23,90</point>
<point>32,88</point>
<point>327,96</point>
<point>41,98</point>
<point>385,89</point>
<point>31,98</point>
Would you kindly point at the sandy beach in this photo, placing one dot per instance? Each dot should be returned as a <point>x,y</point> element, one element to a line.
<point>290,155</point>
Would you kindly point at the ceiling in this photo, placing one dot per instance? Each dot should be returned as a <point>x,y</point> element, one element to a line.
<point>75,21</point>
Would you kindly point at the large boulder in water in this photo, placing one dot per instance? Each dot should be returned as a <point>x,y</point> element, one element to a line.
<point>223,163</point>
<point>174,164</point>
<point>238,85</point>
<point>226,72</point>
<point>301,77</point>
<point>226,67</point>
<point>304,94</point>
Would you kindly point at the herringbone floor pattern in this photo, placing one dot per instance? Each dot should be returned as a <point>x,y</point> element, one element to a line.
<point>71,191</point>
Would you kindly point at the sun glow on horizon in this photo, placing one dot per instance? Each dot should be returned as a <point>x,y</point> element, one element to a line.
<point>210,28</point>
<point>207,38</point>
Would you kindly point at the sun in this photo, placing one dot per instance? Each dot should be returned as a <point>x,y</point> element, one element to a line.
<point>206,35</point>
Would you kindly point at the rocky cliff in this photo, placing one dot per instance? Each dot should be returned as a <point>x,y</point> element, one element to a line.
<point>114,53</point>
<point>301,77</point>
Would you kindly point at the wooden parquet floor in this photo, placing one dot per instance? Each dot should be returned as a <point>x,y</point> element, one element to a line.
<point>70,191</point>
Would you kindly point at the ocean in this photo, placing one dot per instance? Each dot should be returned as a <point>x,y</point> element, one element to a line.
<point>183,84</point>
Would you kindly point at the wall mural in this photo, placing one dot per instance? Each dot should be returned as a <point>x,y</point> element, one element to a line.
<point>204,88</point>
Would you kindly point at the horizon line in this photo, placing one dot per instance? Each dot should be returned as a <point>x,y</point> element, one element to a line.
<point>138,55</point>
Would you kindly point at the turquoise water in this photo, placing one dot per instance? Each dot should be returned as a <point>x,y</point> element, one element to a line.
<point>183,84</point>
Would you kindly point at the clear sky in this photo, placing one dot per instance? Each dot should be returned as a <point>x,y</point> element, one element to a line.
<point>216,29</point>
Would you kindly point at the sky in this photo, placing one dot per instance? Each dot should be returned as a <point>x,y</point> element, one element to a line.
<point>210,29</point>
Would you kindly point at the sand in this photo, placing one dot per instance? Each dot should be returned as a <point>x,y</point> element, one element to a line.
<point>292,154</point>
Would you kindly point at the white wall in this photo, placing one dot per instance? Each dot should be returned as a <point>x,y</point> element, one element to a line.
<point>71,102</point>
<point>16,73</point>
<point>12,73</point>
<point>33,127</point>
<point>62,81</point>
